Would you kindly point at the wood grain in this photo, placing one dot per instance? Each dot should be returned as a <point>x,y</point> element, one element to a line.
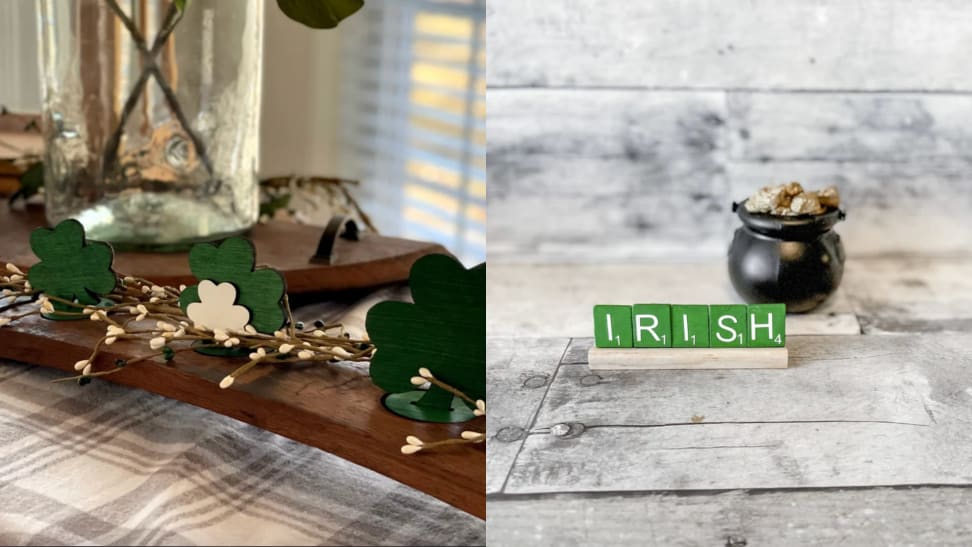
<point>334,408</point>
<point>518,372</point>
<point>826,422</point>
<point>862,516</point>
<point>585,175</point>
<point>686,358</point>
<point>912,294</point>
<point>819,385</point>
<point>371,262</point>
<point>762,44</point>
<point>882,127</point>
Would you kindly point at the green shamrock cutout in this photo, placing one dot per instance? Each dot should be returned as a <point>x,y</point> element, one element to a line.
<point>70,267</point>
<point>261,291</point>
<point>443,331</point>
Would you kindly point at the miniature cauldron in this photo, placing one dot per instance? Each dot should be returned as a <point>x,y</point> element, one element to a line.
<point>795,260</point>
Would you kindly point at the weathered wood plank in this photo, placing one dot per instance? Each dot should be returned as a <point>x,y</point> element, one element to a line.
<point>589,175</point>
<point>912,294</point>
<point>518,373</point>
<point>913,207</point>
<point>820,385</point>
<point>738,456</point>
<point>852,411</point>
<point>686,358</point>
<point>827,44</point>
<point>557,299</point>
<point>872,516</point>
<point>888,127</point>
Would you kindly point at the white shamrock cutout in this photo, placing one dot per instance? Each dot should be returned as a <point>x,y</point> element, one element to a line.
<point>216,309</point>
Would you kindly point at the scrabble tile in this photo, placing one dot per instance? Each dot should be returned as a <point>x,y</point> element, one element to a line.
<point>690,326</point>
<point>612,326</point>
<point>652,325</point>
<point>727,326</point>
<point>767,325</point>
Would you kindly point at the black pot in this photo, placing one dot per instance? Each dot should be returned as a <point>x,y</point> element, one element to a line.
<point>798,261</point>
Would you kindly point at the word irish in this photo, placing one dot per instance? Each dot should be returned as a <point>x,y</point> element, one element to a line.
<point>690,326</point>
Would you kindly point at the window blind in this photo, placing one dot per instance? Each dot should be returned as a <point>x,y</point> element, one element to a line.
<point>414,119</point>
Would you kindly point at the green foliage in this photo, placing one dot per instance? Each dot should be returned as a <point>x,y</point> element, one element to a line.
<point>30,182</point>
<point>70,267</point>
<point>260,291</point>
<point>180,5</point>
<point>444,331</point>
<point>275,203</point>
<point>319,13</point>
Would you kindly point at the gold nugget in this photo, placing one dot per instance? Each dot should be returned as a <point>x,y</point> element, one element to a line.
<point>792,200</point>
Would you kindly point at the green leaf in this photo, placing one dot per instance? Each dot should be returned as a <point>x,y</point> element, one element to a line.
<point>30,182</point>
<point>70,267</point>
<point>180,5</point>
<point>276,203</point>
<point>444,330</point>
<point>319,13</point>
<point>232,261</point>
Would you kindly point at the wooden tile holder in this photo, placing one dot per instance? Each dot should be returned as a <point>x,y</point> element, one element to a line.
<point>686,358</point>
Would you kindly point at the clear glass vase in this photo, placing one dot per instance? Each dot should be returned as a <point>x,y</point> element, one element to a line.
<point>151,117</point>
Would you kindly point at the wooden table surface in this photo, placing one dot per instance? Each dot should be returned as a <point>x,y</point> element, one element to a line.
<point>865,439</point>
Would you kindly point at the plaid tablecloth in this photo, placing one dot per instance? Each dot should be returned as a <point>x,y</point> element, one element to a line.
<point>105,464</point>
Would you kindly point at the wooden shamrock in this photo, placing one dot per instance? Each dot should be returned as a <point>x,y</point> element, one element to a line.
<point>70,267</point>
<point>443,331</point>
<point>232,261</point>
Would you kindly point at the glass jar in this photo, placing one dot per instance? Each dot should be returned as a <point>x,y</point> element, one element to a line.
<point>151,118</point>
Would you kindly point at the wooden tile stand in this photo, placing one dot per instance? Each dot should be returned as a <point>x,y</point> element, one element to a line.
<point>686,358</point>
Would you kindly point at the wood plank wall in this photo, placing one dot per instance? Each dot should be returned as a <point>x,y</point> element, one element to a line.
<point>623,130</point>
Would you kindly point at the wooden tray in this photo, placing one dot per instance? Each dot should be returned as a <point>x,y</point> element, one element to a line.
<point>372,261</point>
<point>332,407</point>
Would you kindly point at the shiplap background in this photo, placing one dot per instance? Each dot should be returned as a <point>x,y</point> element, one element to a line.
<point>623,131</point>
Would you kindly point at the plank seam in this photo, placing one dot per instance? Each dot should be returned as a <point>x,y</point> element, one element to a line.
<point>536,413</point>
<point>713,492</point>
<point>753,90</point>
<point>545,430</point>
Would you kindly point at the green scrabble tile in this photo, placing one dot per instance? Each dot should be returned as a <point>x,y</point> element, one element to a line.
<point>652,325</point>
<point>612,326</point>
<point>727,326</point>
<point>767,325</point>
<point>690,326</point>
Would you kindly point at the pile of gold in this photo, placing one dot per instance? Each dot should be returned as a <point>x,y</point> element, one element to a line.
<point>788,200</point>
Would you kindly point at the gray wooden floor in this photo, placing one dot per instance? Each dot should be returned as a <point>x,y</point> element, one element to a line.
<point>865,439</point>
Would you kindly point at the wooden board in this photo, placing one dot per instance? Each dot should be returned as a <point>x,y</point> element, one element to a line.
<point>686,358</point>
<point>373,261</point>
<point>699,44</point>
<point>518,374</point>
<point>853,411</point>
<point>335,408</point>
<point>912,294</point>
<point>926,515</point>
<point>858,127</point>
<point>606,174</point>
